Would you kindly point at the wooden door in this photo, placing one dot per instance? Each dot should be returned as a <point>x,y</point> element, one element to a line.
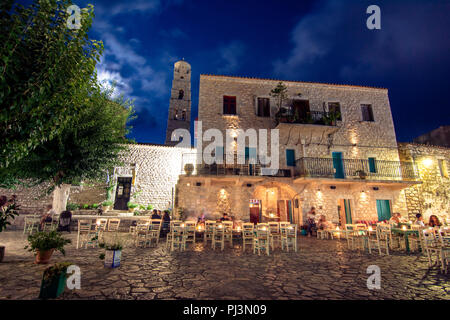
<point>123,191</point>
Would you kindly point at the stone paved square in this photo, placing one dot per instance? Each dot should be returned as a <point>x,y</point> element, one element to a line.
<point>321,269</point>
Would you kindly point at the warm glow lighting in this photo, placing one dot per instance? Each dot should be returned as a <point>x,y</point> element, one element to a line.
<point>404,227</point>
<point>199,228</point>
<point>337,228</point>
<point>219,226</point>
<point>182,225</point>
<point>370,228</point>
<point>263,228</point>
<point>271,215</point>
<point>238,228</point>
<point>427,162</point>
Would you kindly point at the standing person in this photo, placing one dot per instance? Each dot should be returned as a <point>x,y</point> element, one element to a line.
<point>311,221</point>
<point>165,223</point>
<point>434,221</point>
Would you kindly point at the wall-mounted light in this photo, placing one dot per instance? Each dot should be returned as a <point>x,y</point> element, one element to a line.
<point>428,162</point>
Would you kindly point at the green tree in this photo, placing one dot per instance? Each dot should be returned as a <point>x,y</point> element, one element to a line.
<point>280,94</point>
<point>47,71</point>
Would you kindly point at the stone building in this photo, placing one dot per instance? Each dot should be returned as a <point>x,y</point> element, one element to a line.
<point>337,152</point>
<point>432,196</point>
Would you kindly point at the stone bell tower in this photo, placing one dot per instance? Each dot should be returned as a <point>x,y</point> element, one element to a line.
<point>180,100</point>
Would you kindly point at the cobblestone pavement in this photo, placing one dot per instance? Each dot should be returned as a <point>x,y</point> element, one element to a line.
<point>321,269</point>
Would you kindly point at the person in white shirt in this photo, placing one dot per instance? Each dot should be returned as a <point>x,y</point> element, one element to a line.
<point>419,220</point>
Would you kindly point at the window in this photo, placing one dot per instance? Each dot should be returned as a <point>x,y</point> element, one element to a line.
<point>263,107</point>
<point>290,157</point>
<point>443,168</point>
<point>180,94</point>
<point>367,113</point>
<point>335,107</point>
<point>229,105</point>
<point>372,167</point>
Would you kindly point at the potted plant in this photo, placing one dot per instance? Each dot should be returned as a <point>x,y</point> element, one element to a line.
<point>132,206</point>
<point>44,243</point>
<point>8,211</point>
<point>54,280</point>
<point>72,206</point>
<point>188,168</point>
<point>361,174</point>
<point>112,255</point>
<point>106,205</point>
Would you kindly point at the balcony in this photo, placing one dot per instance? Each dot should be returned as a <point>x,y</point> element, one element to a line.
<point>310,117</point>
<point>359,169</point>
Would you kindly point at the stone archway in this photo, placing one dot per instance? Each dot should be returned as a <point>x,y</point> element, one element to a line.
<point>276,202</point>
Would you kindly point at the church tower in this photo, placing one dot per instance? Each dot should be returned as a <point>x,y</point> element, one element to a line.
<point>180,100</point>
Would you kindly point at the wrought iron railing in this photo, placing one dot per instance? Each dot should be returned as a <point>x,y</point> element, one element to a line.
<point>310,117</point>
<point>240,170</point>
<point>355,169</point>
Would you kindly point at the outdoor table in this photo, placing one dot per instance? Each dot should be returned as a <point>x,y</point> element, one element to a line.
<point>406,233</point>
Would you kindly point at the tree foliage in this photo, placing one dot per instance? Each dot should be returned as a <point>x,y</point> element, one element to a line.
<point>57,124</point>
<point>46,73</point>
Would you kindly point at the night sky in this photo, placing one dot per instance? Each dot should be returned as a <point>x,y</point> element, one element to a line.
<point>320,41</point>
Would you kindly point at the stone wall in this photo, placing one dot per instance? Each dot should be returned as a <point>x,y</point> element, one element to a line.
<point>157,168</point>
<point>433,195</point>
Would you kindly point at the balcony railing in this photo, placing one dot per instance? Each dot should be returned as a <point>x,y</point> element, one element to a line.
<point>239,170</point>
<point>355,169</point>
<point>311,117</point>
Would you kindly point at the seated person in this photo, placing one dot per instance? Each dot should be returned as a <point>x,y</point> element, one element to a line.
<point>434,221</point>
<point>155,214</point>
<point>419,220</point>
<point>47,216</point>
<point>225,217</point>
<point>395,219</point>
<point>324,224</point>
<point>64,221</point>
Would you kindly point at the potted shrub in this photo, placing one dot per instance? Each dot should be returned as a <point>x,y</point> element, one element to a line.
<point>106,205</point>
<point>188,168</point>
<point>361,174</point>
<point>54,280</point>
<point>112,255</point>
<point>8,211</point>
<point>132,206</point>
<point>44,243</point>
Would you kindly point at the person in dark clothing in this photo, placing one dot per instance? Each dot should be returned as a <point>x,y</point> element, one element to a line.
<point>225,217</point>
<point>155,214</point>
<point>165,223</point>
<point>65,218</point>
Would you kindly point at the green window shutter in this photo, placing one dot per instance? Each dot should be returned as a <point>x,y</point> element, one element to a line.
<point>372,167</point>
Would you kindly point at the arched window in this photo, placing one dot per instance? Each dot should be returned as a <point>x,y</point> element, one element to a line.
<point>180,94</point>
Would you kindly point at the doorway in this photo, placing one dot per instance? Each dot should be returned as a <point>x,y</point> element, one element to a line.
<point>123,191</point>
<point>255,211</point>
<point>345,212</point>
<point>301,110</point>
<point>383,210</point>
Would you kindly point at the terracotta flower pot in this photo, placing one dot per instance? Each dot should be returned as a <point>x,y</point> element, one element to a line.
<point>43,257</point>
<point>2,253</point>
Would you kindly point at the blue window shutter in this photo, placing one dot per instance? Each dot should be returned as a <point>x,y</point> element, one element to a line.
<point>219,152</point>
<point>290,157</point>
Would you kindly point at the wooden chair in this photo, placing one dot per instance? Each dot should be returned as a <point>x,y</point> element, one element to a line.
<point>178,238</point>
<point>113,225</point>
<point>173,224</point>
<point>228,232</point>
<point>262,239</point>
<point>289,238</point>
<point>86,236</point>
<point>275,235</point>
<point>101,224</point>
<point>154,231</point>
<point>218,236</point>
<point>381,240</point>
<point>247,234</point>
<point>322,234</point>
<point>189,229</point>
<point>431,246</point>
<point>31,224</point>
<point>209,229</point>
<point>141,233</point>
